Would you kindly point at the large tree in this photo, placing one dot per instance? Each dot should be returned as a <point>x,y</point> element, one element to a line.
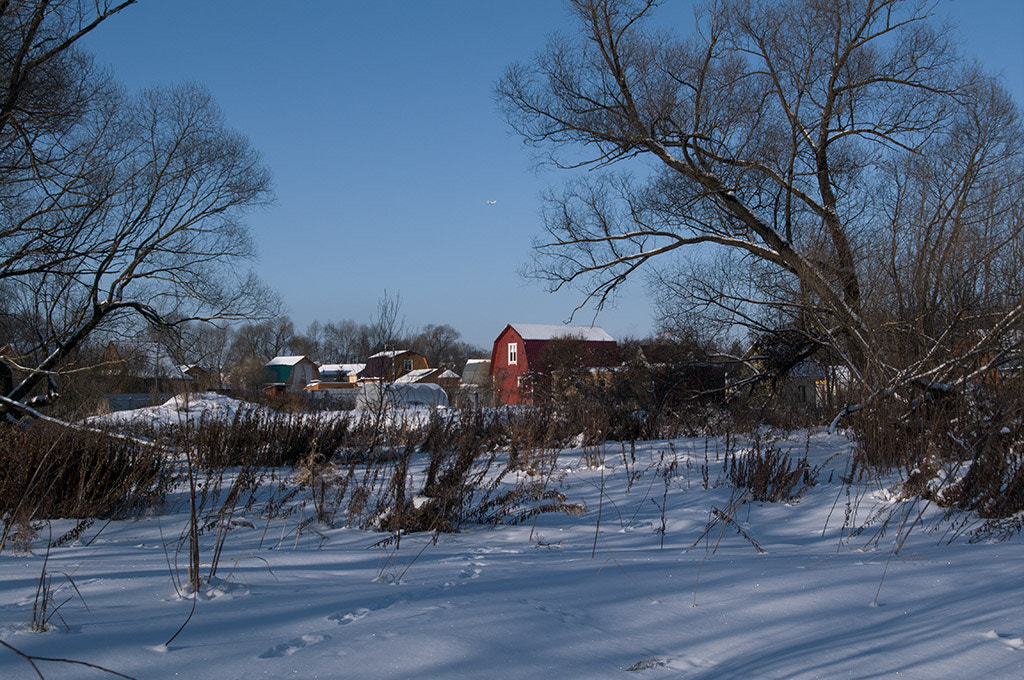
<point>835,169</point>
<point>116,207</point>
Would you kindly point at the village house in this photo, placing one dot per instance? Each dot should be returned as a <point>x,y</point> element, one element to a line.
<point>289,374</point>
<point>522,356</point>
<point>337,381</point>
<point>391,365</point>
<point>143,374</point>
<point>347,374</point>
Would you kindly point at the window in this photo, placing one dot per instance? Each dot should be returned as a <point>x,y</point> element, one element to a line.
<point>512,353</point>
<point>407,365</point>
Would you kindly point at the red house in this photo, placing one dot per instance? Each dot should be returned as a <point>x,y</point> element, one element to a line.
<point>519,354</point>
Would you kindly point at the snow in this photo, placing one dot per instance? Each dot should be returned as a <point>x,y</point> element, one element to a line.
<point>594,596</point>
<point>388,353</point>
<point>342,369</point>
<point>413,376</point>
<point>420,373</point>
<point>181,408</point>
<point>529,331</point>
<point>285,360</point>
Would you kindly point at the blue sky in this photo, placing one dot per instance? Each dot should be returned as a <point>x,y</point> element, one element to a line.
<point>377,121</point>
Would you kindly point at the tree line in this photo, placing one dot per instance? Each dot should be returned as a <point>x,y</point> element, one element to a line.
<point>838,174</point>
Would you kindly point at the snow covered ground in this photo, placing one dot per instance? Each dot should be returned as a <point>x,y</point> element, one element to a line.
<point>603,595</point>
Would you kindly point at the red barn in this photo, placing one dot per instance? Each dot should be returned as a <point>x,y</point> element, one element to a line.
<point>519,353</point>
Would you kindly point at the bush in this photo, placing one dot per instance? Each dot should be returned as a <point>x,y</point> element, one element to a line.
<point>963,451</point>
<point>49,472</point>
<point>768,474</point>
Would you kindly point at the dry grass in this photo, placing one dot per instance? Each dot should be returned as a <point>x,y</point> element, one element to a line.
<point>53,472</point>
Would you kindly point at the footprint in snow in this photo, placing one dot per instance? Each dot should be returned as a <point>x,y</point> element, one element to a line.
<point>564,615</point>
<point>344,619</point>
<point>1015,642</point>
<point>292,646</point>
<point>472,571</point>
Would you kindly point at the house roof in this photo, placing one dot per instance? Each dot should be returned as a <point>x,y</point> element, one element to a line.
<point>532,331</point>
<point>342,369</point>
<point>808,368</point>
<point>421,373</point>
<point>388,353</point>
<point>285,361</point>
<point>413,376</point>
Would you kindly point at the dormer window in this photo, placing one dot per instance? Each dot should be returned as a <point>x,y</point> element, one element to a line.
<point>513,353</point>
<point>407,365</point>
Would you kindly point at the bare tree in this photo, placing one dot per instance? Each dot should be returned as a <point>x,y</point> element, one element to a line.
<point>48,86</point>
<point>832,168</point>
<point>117,207</point>
<point>253,345</point>
<point>388,327</point>
<point>443,347</point>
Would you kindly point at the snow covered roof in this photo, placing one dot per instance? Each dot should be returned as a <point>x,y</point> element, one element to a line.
<point>342,369</point>
<point>388,353</point>
<point>421,373</point>
<point>532,331</point>
<point>413,376</point>
<point>285,361</point>
<point>808,368</point>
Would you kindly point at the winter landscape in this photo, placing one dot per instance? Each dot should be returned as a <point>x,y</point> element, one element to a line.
<point>581,339</point>
<point>666,570</point>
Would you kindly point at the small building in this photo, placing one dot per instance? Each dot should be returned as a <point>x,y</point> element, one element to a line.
<point>475,388</point>
<point>804,385</point>
<point>341,373</point>
<point>449,380</point>
<point>524,353</point>
<point>338,383</point>
<point>289,374</point>
<point>202,380</point>
<point>391,365</point>
<point>477,373</point>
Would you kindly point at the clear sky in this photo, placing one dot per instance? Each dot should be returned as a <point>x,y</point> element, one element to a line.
<point>378,123</point>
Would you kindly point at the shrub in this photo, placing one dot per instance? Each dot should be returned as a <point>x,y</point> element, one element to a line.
<point>50,472</point>
<point>963,451</point>
<point>769,474</point>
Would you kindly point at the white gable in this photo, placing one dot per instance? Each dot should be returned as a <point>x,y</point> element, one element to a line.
<point>532,331</point>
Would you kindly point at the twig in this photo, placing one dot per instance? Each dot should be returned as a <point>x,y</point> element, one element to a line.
<point>31,659</point>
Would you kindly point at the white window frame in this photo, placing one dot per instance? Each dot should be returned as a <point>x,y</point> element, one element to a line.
<point>407,365</point>
<point>513,353</point>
